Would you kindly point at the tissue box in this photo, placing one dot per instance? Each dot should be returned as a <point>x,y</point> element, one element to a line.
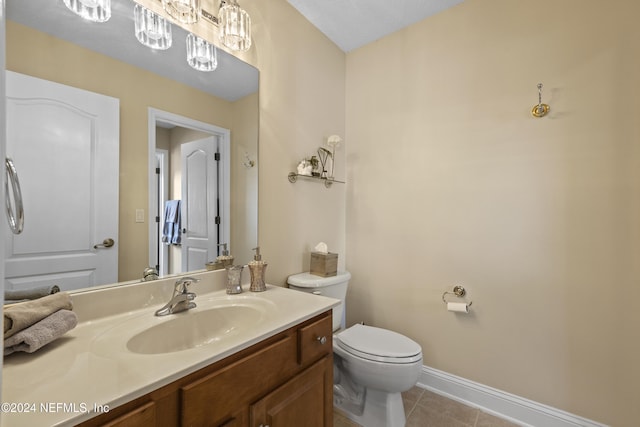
<point>325,265</point>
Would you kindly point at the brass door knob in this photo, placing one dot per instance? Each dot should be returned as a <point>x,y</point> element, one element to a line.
<point>106,243</point>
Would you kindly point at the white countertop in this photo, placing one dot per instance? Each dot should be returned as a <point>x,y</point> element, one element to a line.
<point>90,368</point>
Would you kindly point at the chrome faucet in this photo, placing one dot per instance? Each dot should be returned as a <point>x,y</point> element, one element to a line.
<point>149,273</point>
<point>182,299</point>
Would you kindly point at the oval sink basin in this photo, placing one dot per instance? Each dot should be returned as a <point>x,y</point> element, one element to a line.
<point>195,328</point>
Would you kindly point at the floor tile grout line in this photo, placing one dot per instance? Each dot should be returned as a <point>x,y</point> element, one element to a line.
<point>415,404</point>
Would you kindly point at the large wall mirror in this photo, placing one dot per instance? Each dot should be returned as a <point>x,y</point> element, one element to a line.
<point>164,108</point>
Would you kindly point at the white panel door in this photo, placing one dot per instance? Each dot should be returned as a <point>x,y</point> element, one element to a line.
<point>4,228</point>
<point>199,203</point>
<point>65,143</point>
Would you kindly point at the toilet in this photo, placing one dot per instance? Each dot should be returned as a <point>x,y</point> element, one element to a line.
<point>372,366</point>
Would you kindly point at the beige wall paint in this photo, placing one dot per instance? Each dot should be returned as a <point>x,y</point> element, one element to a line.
<point>302,101</point>
<point>244,227</point>
<point>451,181</point>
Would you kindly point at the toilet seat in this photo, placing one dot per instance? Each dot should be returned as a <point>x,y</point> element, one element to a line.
<point>379,345</point>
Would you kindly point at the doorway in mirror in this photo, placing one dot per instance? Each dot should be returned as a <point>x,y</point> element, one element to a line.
<point>189,192</point>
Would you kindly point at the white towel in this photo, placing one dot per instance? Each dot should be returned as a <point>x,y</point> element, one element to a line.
<point>41,333</point>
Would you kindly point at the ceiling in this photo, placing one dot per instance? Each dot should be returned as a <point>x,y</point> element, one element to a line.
<point>351,24</point>
<point>115,38</point>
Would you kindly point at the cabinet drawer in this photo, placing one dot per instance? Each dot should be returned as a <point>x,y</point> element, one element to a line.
<point>315,340</point>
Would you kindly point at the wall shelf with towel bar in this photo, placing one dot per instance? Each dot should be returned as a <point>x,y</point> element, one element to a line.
<point>328,182</point>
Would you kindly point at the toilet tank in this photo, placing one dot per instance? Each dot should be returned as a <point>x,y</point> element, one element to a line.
<point>333,287</point>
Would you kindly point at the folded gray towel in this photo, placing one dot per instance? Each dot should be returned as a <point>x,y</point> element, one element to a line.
<point>24,314</point>
<point>28,294</point>
<point>41,333</point>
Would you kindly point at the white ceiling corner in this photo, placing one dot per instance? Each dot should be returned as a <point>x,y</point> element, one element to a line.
<point>351,24</point>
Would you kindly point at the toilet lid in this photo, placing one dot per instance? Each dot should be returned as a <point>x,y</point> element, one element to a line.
<point>379,344</point>
<point>308,280</point>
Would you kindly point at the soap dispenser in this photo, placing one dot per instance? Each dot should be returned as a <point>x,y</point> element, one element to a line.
<point>222,261</point>
<point>257,268</point>
<point>225,259</point>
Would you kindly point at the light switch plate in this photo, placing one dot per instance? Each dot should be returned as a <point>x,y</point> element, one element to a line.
<point>139,215</point>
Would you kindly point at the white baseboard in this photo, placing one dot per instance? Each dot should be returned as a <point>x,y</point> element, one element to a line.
<point>518,410</point>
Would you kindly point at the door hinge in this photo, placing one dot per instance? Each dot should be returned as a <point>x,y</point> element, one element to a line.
<point>157,219</point>
<point>217,157</point>
<point>217,220</point>
<point>157,171</point>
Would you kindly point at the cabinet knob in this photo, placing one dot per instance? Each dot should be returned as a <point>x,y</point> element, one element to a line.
<point>321,340</point>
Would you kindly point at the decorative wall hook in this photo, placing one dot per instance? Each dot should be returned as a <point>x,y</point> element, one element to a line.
<point>541,109</point>
<point>248,163</point>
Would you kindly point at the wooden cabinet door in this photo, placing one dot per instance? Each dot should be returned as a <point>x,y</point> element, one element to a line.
<point>239,419</point>
<point>215,399</point>
<point>304,400</point>
<point>142,416</point>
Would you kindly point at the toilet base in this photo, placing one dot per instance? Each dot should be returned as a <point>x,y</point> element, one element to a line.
<point>380,409</point>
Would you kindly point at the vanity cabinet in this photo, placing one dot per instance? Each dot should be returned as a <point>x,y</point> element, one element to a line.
<point>283,381</point>
<point>298,402</point>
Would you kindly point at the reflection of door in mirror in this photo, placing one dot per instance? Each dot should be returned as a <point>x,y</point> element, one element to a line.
<point>199,195</point>
<point>72,137</point>
<point>192,163</point>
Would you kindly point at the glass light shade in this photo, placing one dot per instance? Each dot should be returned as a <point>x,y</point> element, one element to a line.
<point>91,10</point>
<point>151,30</point>
<point>185,11</point>
<point>235,26</point>
<point>201,55</point>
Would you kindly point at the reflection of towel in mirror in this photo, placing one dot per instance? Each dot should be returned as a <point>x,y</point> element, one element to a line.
<point>171,229</point>
<point>24,314</point>
<point>41,333</point>
<point>16,295</point>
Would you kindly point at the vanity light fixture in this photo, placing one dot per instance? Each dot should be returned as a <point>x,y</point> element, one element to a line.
<point>185,11</point>
<point>235,26</point>
<point>151,30</point>
<point>201,55</point>
<point>91,10</point>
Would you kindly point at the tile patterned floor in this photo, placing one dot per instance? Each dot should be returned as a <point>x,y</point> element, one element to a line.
<point>424,408</point>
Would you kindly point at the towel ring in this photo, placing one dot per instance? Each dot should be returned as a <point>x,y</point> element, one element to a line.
<point>16,219</point>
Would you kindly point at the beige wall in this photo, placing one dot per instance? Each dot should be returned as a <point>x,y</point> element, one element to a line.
<point>451,181</point>
<point>244,227</point>
<point>302,101</point>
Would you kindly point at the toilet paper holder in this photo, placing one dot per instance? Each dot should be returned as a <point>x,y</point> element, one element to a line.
<point>458,291</point>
